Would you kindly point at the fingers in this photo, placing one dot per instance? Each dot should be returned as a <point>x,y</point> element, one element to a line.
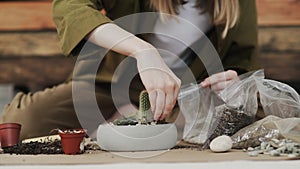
<point>163,98</point>
<point>170,101</point>
<point>221,85</point>
<point>162,102</point>
<point>219,81</point>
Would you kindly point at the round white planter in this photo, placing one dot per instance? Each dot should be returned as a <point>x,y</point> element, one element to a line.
<point>136,138</point>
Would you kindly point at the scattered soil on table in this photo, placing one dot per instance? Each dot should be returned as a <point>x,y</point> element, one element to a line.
<point>185,145</point>
<point>47,147</point>
<point>53,147</point>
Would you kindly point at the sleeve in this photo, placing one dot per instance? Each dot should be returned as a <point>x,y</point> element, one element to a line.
<point>242,50</point>
<point>75,19</point>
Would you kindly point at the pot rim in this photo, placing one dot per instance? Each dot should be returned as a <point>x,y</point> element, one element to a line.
<point>10,125</point>
<point>81,133</point>
<point>72,135</point>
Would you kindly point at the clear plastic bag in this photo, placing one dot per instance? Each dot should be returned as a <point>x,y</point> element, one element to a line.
<point>278,99</point>
<point>267,129</point>
<point>243,92</point>
<point>241,105</point>
<point>197,106</point>
<point>207,115</point>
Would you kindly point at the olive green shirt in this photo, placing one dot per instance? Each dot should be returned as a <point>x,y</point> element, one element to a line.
<point>75,19</point>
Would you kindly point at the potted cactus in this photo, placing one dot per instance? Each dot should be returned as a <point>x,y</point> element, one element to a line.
<point>137,132</point>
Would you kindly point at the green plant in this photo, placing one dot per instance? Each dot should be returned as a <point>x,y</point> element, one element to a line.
<point>145,115</point>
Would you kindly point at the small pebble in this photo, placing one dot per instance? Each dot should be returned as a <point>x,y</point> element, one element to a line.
<point>221,144</point>
<point>281,149</point>
<point>276,141</point>
<point>275,153</point>
<point>250,149</point>
<point>292,155</point>
<point>269,148</point>
<point>290,147</point>
<point>263,145</point>
<point>253,153</point>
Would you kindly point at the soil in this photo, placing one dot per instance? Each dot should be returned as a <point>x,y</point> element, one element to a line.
<point>130,121</point>
<point>52,147</point>
<point>230,120</point>
<point>185,145</point>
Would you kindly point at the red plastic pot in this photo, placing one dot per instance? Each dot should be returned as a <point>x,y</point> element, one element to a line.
<point>71,141</point>
<point>9,134</point>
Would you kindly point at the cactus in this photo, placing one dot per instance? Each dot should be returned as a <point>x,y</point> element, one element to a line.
<point>145,115</point>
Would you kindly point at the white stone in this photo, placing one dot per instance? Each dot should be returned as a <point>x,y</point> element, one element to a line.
<point>221,144</point>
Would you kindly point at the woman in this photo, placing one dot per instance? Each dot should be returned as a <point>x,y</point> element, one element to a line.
<point>230,25</point>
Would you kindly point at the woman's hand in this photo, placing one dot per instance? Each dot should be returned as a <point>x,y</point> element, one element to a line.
<point>160,82</point>
<point>219,81</point>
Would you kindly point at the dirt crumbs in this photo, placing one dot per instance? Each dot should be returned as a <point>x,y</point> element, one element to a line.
<point>33,148</point>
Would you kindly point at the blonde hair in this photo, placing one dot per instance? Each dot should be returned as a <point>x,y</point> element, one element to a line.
<point>221,11</point>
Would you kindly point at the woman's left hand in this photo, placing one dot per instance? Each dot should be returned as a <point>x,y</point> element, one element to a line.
<point>219,81</point>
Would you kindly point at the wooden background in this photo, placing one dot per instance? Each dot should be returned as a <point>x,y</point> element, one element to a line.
<point>30,55</point>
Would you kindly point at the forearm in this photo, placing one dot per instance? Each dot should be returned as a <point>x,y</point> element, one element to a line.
<point>113,37</point>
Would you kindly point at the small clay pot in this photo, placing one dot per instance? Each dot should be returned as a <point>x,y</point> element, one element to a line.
<point>71,141</point>
<point>9,134</point>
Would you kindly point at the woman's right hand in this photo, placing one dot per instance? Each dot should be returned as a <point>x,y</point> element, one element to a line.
<point>161,83</point>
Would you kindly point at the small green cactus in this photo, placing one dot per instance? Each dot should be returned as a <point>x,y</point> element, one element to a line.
<point>145,115</point>
<point>144,101</point>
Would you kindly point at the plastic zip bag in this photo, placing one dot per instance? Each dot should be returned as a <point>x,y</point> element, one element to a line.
<point>197,105</point>
<point>266,129</point>
<point>278,99</point>
<point>241,105</point>
<point>208,115</point>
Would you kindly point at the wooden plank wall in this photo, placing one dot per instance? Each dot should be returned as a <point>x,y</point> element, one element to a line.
<point>36,15</point>
<point>26,15</point>
<point>28,43</point>
<point>29,48</point>
<point>279,32</point>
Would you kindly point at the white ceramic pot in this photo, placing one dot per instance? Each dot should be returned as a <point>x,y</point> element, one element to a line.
<point>137,138</point>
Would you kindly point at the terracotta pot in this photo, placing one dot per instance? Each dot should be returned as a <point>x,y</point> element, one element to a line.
<point>9,134</point>
<point>71,141</point>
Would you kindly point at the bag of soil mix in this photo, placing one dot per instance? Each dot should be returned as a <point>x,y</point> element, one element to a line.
<point>208,115</point>
<point>278,99</point>
<point>266,129</point>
